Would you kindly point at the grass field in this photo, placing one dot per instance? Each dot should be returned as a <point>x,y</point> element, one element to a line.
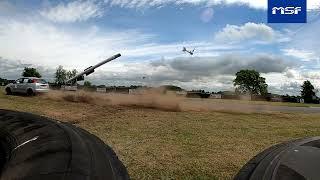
<point>265,103</point>
<point>155,144</point>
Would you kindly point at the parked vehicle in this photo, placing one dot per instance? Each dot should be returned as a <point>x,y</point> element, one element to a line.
<point>28,85</point>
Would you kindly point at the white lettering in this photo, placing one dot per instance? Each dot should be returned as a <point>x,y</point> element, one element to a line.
<point>289,10</point>
<point>286,10</point>
<point>275,9</point>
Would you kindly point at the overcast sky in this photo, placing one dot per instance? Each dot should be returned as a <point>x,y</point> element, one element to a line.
<point>228,35</point>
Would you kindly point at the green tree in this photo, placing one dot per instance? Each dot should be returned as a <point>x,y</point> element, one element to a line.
<point>308,92</point>
<point>31,72</point>
<point>250,82</point>
<point>71,74</point>
<point>87,84</point>
<point>60,75</point>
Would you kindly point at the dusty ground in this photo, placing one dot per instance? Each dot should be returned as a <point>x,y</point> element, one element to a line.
<point>163,144</point>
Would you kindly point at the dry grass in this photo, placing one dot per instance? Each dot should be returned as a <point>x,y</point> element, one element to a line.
<point>222,101</point>
<point>156,144</point>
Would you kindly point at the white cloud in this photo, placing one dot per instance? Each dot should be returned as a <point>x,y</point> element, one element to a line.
<point>307,41</point>
<point>157,3</point>
<point>154,50</point>
<point>303,55</point>
<point>50,45</point>
<point>280,83</point>
<point>312,74</point>
<point>248,31</point>
<point>290,81</point>
<point>313,4</point>
<point>206,15</point>
<point>257,4</point>
<point>292,73</point>
<point>260,4</point>
<point>78,10</point>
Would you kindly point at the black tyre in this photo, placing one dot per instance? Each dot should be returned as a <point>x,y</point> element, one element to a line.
<point>294,160</point>
<point>36,148</point>
<point>8,91</point>
<point>30,92</point>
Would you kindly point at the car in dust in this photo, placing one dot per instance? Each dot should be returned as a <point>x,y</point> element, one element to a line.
<point>28,85</point>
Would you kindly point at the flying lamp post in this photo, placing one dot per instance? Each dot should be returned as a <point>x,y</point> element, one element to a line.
<point>70,84</point>
<point>90,70</point>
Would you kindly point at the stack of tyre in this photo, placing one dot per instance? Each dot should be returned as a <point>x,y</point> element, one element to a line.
<point>38,148</point>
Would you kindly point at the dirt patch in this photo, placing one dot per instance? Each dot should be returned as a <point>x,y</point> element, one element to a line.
<point>148,99</point>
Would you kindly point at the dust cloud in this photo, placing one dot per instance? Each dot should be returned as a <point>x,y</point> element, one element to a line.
<point>153,98</point>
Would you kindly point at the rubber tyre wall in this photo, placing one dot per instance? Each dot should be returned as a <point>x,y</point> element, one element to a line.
<point>258,166</point>
<point>37,148</point>
<point>250,167</point>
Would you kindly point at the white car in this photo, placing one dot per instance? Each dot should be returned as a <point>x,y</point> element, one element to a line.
<point>28,85</point>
